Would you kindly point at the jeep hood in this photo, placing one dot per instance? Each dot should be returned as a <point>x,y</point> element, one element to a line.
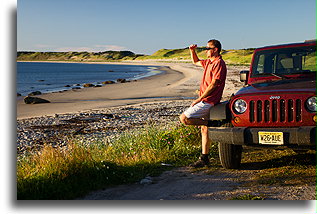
<point>280,86</point>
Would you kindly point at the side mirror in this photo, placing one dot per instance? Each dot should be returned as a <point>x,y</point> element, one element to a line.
<point>244,76</point>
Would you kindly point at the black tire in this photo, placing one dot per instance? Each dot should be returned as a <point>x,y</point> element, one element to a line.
<point>230,155</point>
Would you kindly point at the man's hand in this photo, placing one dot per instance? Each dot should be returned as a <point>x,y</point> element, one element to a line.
<point>194,56</point>
<point>195,102</point>
<point>192,47</point>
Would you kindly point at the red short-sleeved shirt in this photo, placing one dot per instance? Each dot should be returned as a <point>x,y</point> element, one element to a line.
<point>215,69</point>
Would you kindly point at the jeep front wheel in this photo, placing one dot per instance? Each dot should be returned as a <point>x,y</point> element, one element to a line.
<point>230,155</point>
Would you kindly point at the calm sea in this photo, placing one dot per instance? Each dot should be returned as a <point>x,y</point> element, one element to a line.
<point>51,77</point>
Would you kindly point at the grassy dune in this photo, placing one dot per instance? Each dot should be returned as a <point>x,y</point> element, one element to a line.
<point>235,57</point>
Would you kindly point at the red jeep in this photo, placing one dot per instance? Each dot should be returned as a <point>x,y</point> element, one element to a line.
<point>277,106</point>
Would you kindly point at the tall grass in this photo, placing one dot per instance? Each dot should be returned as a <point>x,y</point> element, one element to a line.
<point>72,171</point>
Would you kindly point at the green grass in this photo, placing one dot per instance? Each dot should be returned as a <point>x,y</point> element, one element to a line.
<point>67,173</point>
<point>281,167</point>
<point>238,57</point>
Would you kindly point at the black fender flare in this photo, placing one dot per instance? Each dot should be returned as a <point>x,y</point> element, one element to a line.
<point>220,111</point>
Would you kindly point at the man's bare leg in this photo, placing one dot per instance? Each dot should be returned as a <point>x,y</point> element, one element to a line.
<point>193,121</point>
<point>205,142</point>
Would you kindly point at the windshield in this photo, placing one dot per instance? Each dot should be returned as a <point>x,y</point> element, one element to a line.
<point>285,61</point>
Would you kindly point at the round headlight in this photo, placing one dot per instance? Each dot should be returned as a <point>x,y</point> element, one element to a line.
<point>240,106</point>
<point>311,104</point>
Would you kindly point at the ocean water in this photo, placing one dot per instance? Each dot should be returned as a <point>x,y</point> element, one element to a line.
<point>52,77</point>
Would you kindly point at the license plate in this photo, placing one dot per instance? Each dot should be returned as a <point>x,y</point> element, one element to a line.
<point>271,138</point>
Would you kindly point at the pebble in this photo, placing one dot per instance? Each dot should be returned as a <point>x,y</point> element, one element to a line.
<point>103,124</point>
<point>147,180</point>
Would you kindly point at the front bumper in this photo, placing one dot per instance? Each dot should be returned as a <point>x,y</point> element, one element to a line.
<point>293,137</point>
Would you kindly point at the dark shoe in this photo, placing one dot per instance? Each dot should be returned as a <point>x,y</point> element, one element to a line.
<point>200,163</point>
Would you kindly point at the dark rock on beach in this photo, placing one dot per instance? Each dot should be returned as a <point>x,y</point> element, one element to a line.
<point>108,82</point>
<point>121,80</point>
<point>34,100</point>
<point>86,85</point>
<point>19,95</point>
<point>34,93</point>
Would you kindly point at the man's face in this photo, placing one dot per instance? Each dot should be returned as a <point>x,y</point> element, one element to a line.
<point>211,50</point>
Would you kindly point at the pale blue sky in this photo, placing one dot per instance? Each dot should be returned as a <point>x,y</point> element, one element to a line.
<point>144,26</point>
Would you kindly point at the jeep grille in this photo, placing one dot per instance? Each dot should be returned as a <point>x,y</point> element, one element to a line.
<point>276,110</point>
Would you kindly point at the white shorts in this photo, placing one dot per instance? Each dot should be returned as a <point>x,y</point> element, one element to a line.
<point>200,110</point>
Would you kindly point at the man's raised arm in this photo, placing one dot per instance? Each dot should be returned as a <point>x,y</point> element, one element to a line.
<point>195,59</point>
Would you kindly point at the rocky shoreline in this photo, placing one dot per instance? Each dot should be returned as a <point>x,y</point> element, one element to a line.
<point>103,124</point>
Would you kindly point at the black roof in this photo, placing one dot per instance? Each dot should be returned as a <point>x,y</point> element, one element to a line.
<point>313,41</point>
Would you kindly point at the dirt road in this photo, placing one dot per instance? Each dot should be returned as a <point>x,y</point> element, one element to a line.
<point>220,184</point>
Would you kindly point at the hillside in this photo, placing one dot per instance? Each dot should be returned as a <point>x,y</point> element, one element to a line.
<point>76,56</point>
<point>236,57</point>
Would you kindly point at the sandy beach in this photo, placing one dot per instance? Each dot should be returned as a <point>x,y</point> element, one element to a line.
<point>179,81</point>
